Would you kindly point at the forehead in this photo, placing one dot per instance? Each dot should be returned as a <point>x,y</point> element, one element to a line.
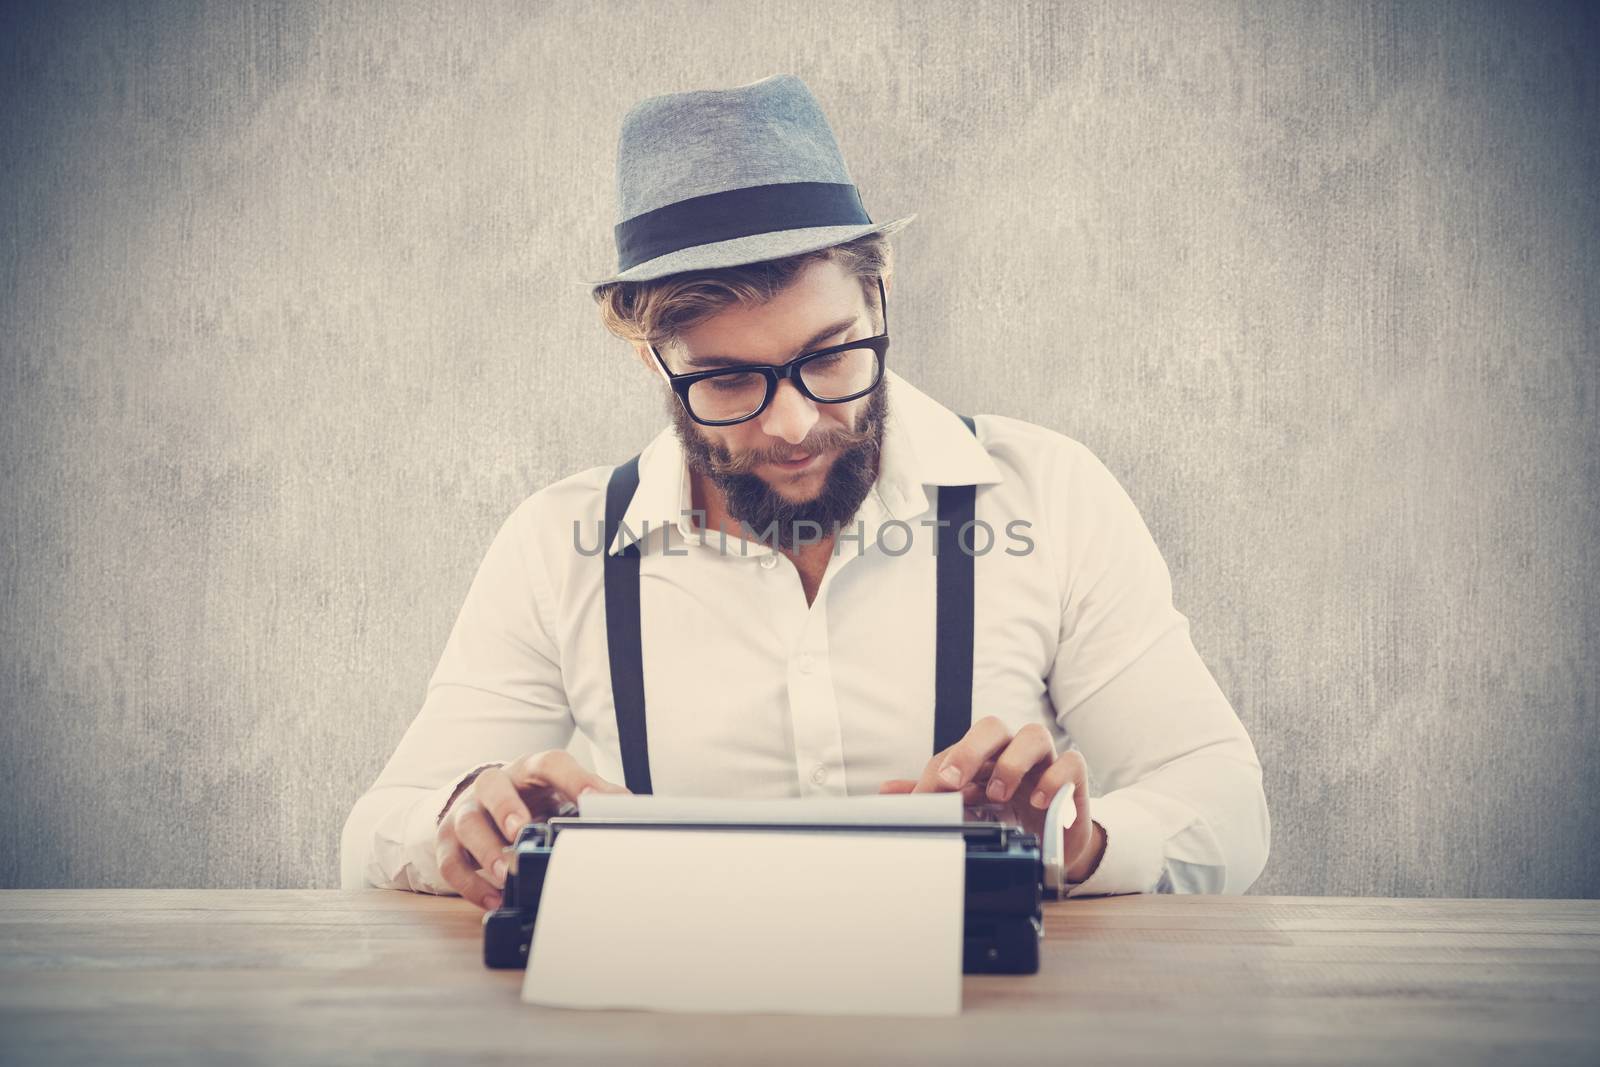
<point>822,296</point>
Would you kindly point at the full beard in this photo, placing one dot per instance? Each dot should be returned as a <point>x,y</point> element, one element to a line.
<point>762,510</point>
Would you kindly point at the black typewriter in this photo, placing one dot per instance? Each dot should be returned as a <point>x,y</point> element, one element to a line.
<point>1005,887</point>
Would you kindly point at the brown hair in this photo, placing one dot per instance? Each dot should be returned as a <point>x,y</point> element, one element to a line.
<point>656,311</point>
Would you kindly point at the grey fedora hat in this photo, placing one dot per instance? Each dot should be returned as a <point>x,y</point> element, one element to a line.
<point>723,177</point>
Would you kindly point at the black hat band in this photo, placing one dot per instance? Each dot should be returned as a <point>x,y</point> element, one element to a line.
<point>702,220</point>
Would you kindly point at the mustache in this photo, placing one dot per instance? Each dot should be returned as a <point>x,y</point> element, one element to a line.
<point>821,441</point>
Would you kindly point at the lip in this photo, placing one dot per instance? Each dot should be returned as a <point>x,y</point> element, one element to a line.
<point>796,465</point>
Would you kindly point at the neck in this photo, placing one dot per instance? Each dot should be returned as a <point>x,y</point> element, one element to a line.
<point>707,498</point>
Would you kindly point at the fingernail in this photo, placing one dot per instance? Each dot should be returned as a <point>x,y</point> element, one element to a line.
<point>1038,800</point>
<point>500,869</point>
<point>493,901</point>
<point>951,775</point>
<point>513,823</point>
<point>997,789</point>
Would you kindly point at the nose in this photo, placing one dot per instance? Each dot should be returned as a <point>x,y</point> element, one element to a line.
<point>790,415</point>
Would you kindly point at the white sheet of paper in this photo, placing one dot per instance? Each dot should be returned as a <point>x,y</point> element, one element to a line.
<point>736,921</point>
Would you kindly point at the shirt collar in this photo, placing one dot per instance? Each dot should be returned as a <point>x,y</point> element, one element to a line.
<point>924,443</point>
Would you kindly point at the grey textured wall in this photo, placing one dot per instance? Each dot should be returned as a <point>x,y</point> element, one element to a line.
<point>290,324</point>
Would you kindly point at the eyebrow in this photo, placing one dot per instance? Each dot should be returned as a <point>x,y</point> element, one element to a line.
<point>813,341</point>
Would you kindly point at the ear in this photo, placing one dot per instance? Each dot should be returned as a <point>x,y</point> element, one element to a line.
<point>642,350</point>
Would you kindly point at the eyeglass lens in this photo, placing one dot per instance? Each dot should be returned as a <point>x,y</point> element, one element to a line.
<point>831,377</point>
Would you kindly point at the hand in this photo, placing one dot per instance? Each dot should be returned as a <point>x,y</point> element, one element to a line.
<point>1022,773</point>
<point>488,814</point>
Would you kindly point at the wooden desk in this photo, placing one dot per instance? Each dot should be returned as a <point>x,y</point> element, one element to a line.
<point>381,977</point>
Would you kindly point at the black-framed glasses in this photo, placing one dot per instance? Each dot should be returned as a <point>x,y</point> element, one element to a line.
<point>833,375</point>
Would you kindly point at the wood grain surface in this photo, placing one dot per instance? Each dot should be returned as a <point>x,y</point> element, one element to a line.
<point>197,976</point>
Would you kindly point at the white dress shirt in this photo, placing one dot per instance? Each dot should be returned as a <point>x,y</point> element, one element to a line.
<point>750,692</point>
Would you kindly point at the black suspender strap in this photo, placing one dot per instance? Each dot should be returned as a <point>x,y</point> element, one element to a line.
<point>952,701</point>
<point>623,640</point>
<point>952,665</point>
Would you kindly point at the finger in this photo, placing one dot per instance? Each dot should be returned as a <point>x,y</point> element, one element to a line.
<point>957,765</point>
<point>454,869</point>
<point>1026,787</point>
<point>907,785</point>
<point>1030,748</point>
<point>1068,768</point>
<point>557,771</point>
<point>502,802</point>
<point>477,836</point>
<point>1071,772</point>
<point>1080,833</point>
<point>1024,814</point>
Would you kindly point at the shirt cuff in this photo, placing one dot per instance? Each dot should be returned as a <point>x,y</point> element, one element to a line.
<point>422,834</point>
<point>457,786</point>
<point>1134,859</point>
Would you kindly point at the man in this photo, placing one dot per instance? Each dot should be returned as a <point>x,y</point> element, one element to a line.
<point>769,600</point>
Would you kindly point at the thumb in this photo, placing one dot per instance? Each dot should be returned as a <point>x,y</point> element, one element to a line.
<point>599,785</point>
<point>897,785</point>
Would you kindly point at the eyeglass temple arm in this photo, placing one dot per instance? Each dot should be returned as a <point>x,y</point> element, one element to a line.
<point>661,365</point>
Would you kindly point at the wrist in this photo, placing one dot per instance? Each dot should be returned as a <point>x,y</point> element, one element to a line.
<point>461,787</point>
<point>1089,860</point>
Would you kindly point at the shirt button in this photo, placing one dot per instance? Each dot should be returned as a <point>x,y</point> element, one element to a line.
<point>804,664</point>
<point>769,562</point>
<point>819,775</point>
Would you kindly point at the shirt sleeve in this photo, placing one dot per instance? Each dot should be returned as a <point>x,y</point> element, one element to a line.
<point>1181,797</point>
<point>496,695</point>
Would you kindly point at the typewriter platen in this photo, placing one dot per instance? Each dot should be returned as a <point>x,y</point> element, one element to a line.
<point>1006,883</point>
